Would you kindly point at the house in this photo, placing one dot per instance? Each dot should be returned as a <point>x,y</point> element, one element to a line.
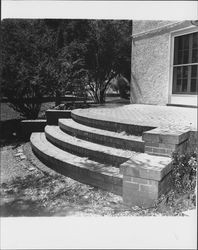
<point>164,63</point>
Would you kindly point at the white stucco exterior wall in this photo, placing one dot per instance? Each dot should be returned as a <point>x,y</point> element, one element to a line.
<point>150,70</point>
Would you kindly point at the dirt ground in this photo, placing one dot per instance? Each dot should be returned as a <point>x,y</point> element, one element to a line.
<point>29,188</point>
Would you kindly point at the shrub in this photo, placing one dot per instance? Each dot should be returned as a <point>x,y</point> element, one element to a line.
<point>184,172</point>
<point>25,50</point>
<point>182,196</point>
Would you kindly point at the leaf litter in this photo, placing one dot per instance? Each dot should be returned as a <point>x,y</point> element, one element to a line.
<point>44,192</point>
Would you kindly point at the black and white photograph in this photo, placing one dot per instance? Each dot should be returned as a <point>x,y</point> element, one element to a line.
<point>98,120</point>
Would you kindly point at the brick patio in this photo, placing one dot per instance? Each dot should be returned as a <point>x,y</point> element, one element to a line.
<point>148,115</point>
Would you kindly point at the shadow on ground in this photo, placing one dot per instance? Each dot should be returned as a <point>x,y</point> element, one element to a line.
<point>9,131</point>
<point>32,196</point>
<point>44,195</point>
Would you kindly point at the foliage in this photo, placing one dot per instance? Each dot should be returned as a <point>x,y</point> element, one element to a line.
<point>102,50</point>
<point>107,55</point>
<point>33,64</point>
<point>50,57</point>
<point>184,171</point>
<point>26,47</point>
<point>122,85</point>
<point>65,67</point>
<point>182,196</point>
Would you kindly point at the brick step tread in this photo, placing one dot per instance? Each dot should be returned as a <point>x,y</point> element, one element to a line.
<point>145,166</point>
<point>121,135</point>
<point>104,123</point>
<point>101,153</point>
<point>104,137</point>
<point>79,168</point>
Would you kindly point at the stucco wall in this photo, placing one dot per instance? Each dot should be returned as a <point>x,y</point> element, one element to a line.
<point>151,61</point>
<point>150,71</point>
<point>144,25</point>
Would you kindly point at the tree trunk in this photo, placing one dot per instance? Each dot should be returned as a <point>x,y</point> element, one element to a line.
<point>102,96</point>
<point>57,98</point>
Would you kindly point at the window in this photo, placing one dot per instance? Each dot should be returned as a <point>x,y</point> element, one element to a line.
<point>185,64</point>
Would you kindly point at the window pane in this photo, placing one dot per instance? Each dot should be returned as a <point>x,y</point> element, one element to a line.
<point>186,42</point>
<point>178,86</point>
<point>184,85</point>
<point>176,52</point>
<point>185,72</point>
<point>186,49</point>
<point>193,87</point>
<point>179,72</point>
<point>195,40</point>
<point>175,61</point>
<point>179,57</point>
<point>174,79</point>
<point>175,73</point>
<point>185,56</point>
<point>195,55</point>
<point>194,71</point>
<point>179,41</point>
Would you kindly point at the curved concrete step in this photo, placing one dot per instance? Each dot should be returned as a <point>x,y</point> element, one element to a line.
<point>94,151</point>
<point>104,137</point>
<point>106,124</point>
<point>81,169</point>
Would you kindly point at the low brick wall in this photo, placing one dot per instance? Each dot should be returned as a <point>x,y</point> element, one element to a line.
<point>165,141</point>
<point>53,115</point>
<point>30,126</point>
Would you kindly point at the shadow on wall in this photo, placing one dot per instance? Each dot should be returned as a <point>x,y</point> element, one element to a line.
<point>136,93</point>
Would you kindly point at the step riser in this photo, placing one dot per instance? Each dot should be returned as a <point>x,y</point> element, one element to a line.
<point>109,183</point>
<point>84,152</point>
<point>137,146</point>
<point>111,126</point>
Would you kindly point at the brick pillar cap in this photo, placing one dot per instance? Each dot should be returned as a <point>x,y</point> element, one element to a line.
<point>147,166</point>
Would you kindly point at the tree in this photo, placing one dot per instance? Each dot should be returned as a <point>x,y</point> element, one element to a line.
<point>121,85</point>
<point>33,64</point>
<point>103,48</point>
<point>26,47</point>
<point>107,55</point>
<point>66,70</point>
<point>49,57</point>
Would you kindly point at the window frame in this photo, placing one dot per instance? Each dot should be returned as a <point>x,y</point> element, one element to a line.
<point>173,35</point>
